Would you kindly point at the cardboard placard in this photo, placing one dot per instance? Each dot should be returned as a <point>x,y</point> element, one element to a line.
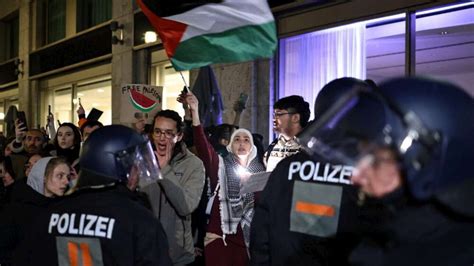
<point>138,100</point>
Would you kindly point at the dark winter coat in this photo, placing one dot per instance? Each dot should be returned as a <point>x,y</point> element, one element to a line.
<point>306,215</point>
<point>435,232</point>
<point>99,225</point>
<point>24,204</point>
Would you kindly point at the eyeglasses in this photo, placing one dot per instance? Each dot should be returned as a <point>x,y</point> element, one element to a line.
<point>168,133</point>
<point>280,114</point>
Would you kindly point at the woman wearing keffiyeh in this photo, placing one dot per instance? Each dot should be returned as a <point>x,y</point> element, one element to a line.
<point>231,213</point>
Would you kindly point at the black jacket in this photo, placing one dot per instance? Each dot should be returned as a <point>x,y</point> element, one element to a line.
<point>434,232</point>
<point>307,215</point>
<point>100,225</point>
<point>23,205</point>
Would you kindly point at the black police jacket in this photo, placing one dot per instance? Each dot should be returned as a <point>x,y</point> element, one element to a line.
<point>97,227</point>
<point>433,232</point>
<point>307,215</point>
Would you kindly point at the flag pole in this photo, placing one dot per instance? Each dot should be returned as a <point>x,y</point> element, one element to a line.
<point>185,84</point>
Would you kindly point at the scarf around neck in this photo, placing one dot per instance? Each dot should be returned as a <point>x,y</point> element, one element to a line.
<point>235,208</point>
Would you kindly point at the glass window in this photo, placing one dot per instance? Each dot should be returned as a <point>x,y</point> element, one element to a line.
<point>62,105</point>
<point>12,102</point>
<point>7,100</point>
<point>92,12</point>
<point>371,49</point>
<point>64,101</point>
<point>445,44</point>
<point>2,116</point>
<point>173,84</point>
<point>56,20</point>
<point>9,38</point>
<point>385,48</point>
<point>2,110</point>
<point>96,95</point>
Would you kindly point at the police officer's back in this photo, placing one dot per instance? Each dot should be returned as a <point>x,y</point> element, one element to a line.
<point>101,223</point>
<point>308,211</point>
<point>413,161</point>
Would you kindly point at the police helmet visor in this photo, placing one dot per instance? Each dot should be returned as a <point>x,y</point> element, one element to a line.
<point>142,159</point>
<point>364,122</point>
<point>353,127</point>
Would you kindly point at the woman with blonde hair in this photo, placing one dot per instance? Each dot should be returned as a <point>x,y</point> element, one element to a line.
<point>48,179</point>
<point>50,176</point>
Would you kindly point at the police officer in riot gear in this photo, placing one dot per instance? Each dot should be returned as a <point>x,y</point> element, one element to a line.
<point>101,222</point>
<point>413,161</point>
<point>307,214</point>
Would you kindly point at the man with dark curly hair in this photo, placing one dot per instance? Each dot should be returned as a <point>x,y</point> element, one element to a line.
<point>290,116</point>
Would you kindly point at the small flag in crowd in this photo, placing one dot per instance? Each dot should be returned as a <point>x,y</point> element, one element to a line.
<point>209,96</point>
<point>200,33</point>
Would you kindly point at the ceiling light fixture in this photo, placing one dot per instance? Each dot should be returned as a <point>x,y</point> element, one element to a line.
<point>150,36</point>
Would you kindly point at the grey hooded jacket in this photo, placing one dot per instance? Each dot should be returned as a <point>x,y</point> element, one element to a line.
<point>36,176</point>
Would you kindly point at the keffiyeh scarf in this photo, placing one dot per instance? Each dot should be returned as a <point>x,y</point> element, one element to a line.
<point>235,208</point>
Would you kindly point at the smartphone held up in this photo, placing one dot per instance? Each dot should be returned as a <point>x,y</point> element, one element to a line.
<point>21,116</point>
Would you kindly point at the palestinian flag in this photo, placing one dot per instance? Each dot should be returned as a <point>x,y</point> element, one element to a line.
<point>199,33</point>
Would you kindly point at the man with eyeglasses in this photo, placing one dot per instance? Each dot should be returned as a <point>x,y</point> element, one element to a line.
<point>177,195</point>
<point>290,116</point>
<point>307,213</point>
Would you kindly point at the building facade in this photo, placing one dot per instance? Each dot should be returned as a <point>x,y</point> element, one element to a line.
<point>55,52</point>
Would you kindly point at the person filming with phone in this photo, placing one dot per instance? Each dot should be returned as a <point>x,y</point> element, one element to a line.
<point>27,142</point>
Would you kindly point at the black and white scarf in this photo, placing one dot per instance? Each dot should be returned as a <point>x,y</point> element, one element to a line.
<point>235,208</point>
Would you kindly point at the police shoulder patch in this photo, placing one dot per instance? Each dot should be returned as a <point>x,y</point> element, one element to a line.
<point>78,251</point>
<point>315,208</point>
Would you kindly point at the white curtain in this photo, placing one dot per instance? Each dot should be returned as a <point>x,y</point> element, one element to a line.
<point>309,61</point>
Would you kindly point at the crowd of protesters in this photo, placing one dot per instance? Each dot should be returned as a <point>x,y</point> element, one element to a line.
<point>343,189</point>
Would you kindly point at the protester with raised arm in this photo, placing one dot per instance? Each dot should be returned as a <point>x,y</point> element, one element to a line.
<point>228,231</point>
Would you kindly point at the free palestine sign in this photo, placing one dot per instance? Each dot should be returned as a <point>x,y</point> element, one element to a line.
<point>139,98</point>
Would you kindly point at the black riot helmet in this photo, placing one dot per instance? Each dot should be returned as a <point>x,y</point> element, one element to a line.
<point>328,139</point>
<point>113,153</point>
<point>438,122</point>
<point>333,91</point>
<point>427,123</point>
